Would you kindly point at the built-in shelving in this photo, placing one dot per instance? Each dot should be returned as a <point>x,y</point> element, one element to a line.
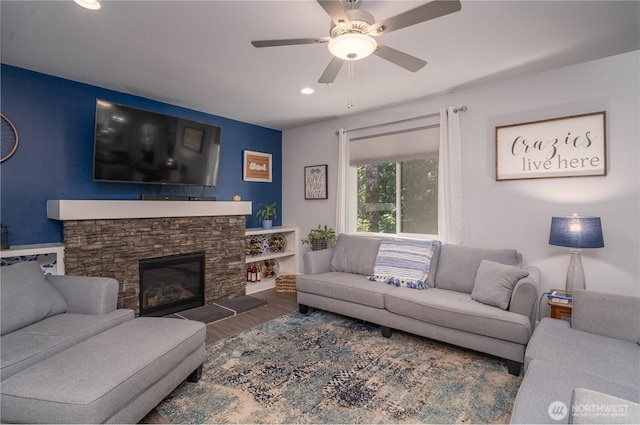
<point>50,256</point>
<point>286,259</point>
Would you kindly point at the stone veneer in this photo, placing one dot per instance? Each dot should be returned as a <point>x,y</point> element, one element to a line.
<point>112,248</point>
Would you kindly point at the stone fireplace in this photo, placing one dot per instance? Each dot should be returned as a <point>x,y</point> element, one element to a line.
<point>113,244</point>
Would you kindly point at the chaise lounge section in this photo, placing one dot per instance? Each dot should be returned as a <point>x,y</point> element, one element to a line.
<point>337,280</point>
<point>69,356</point>
<point>588,368</point>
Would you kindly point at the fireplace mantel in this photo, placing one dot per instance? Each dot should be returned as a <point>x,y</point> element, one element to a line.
<point>113,210</point>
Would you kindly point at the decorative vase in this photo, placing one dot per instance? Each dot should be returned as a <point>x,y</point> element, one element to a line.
<point>318,244</point>
<point>267,224</point>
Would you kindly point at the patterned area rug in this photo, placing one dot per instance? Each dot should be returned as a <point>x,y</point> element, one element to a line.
<point>326,368</point>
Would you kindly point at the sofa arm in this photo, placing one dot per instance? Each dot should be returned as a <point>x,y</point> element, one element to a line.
<point>316,262</point>
<point>525,294</point>
<point>87,295</point>
<point>615,316</point>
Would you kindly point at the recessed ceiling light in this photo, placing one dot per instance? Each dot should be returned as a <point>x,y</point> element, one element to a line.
<point>89,4</point>
<point>307,90</point>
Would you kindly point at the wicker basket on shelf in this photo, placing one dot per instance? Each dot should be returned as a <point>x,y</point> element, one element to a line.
<point>286,283</point>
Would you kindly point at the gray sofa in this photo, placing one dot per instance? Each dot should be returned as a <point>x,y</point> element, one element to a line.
<point>69,356</point>
<point>587,370</point>
<point>458,277</point>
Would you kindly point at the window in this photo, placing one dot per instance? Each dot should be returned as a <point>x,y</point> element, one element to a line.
<point>419,196</point>
<point>396,186</point>
<point>398,197</point>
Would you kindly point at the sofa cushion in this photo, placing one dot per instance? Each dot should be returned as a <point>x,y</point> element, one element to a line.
<point>433,267</point>
<point>612,315</point>
<point>404,262</point>
<point>545,383</point>
<point>38,341</point>
<point>554,341</point>
<point>494,283</point>
<point>354,254</point>
<point>26,296</point>
<point>93,380</point>
<point>345,287</point>
<point>458,265</point>
<point>456,310</point>
<point>594,407</point>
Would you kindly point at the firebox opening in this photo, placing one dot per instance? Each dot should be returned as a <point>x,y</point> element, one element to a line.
<point>171,284</point>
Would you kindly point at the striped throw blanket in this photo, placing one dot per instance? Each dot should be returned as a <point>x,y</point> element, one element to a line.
<point>403,262</point>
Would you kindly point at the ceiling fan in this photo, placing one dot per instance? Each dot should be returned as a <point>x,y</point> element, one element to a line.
<point>353,32</point>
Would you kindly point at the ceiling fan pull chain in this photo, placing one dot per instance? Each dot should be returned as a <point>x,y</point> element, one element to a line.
<point>350,85</point>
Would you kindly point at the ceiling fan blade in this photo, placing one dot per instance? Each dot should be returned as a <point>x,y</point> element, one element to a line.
<point>289,42</point>
<point>404,60</point>
<point>335,10</point>
<point>329,75</point>
<point>428,11</point>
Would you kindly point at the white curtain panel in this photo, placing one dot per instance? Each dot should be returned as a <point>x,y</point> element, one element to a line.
<point>341,183</point>
<point>450,221</point>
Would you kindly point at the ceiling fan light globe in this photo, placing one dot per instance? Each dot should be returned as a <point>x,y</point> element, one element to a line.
<point>352,46</point>
<point>89,4</point>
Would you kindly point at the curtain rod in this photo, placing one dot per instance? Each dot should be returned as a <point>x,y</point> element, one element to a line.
<point>462,108</point>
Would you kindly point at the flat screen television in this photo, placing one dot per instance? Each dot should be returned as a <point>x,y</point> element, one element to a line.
<point>132,145</point>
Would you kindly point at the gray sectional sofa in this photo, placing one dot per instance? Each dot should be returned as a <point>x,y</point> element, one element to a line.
<point>586,371</point>
<point>476,298</point>
<point>69,356</point>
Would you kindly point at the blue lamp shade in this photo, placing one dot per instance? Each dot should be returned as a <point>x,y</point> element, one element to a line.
<point>576,232</point>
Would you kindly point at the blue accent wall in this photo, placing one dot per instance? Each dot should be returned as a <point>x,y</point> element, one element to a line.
<point>55,121</point>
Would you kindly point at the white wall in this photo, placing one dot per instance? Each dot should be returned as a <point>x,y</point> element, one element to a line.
<point>516,214</point>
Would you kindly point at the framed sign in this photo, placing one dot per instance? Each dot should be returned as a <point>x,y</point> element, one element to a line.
<point>192,139</point>
<point>559,147</point>
<point>257,167</point>
<point>315,182</point>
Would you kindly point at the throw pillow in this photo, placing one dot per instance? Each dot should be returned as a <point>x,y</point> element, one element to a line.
<point>27,297</point>
<point>354,254</point>
<point>494,283</point>
<point>404,262</point>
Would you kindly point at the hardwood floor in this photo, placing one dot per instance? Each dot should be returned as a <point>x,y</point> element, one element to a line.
<point>278,304</point>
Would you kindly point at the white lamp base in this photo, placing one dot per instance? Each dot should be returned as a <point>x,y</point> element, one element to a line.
<point>575,274</point>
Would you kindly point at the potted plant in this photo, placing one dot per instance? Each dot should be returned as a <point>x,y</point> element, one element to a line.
<point>267,214</point>
<point>320,238</point>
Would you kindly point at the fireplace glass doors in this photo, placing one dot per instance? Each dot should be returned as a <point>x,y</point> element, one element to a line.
<point>171,284</point>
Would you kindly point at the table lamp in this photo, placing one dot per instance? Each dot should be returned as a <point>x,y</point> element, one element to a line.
<point>576,232</point>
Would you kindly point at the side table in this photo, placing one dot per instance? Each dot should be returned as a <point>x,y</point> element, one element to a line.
<point>560,310</point>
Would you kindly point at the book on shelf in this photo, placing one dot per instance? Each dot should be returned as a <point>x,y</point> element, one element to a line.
<point>560,296</point>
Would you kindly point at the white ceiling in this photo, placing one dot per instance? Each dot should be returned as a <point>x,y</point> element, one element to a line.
<point>198,54</point>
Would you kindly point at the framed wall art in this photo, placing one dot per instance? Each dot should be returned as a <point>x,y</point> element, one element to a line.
<point>257,167</point>
<point>315,182</point>
<point>559,147</point>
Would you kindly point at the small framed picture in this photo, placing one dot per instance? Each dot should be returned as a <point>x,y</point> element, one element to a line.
<point>257,167</point>
<point>315,182</point>
<point>192,139</point>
